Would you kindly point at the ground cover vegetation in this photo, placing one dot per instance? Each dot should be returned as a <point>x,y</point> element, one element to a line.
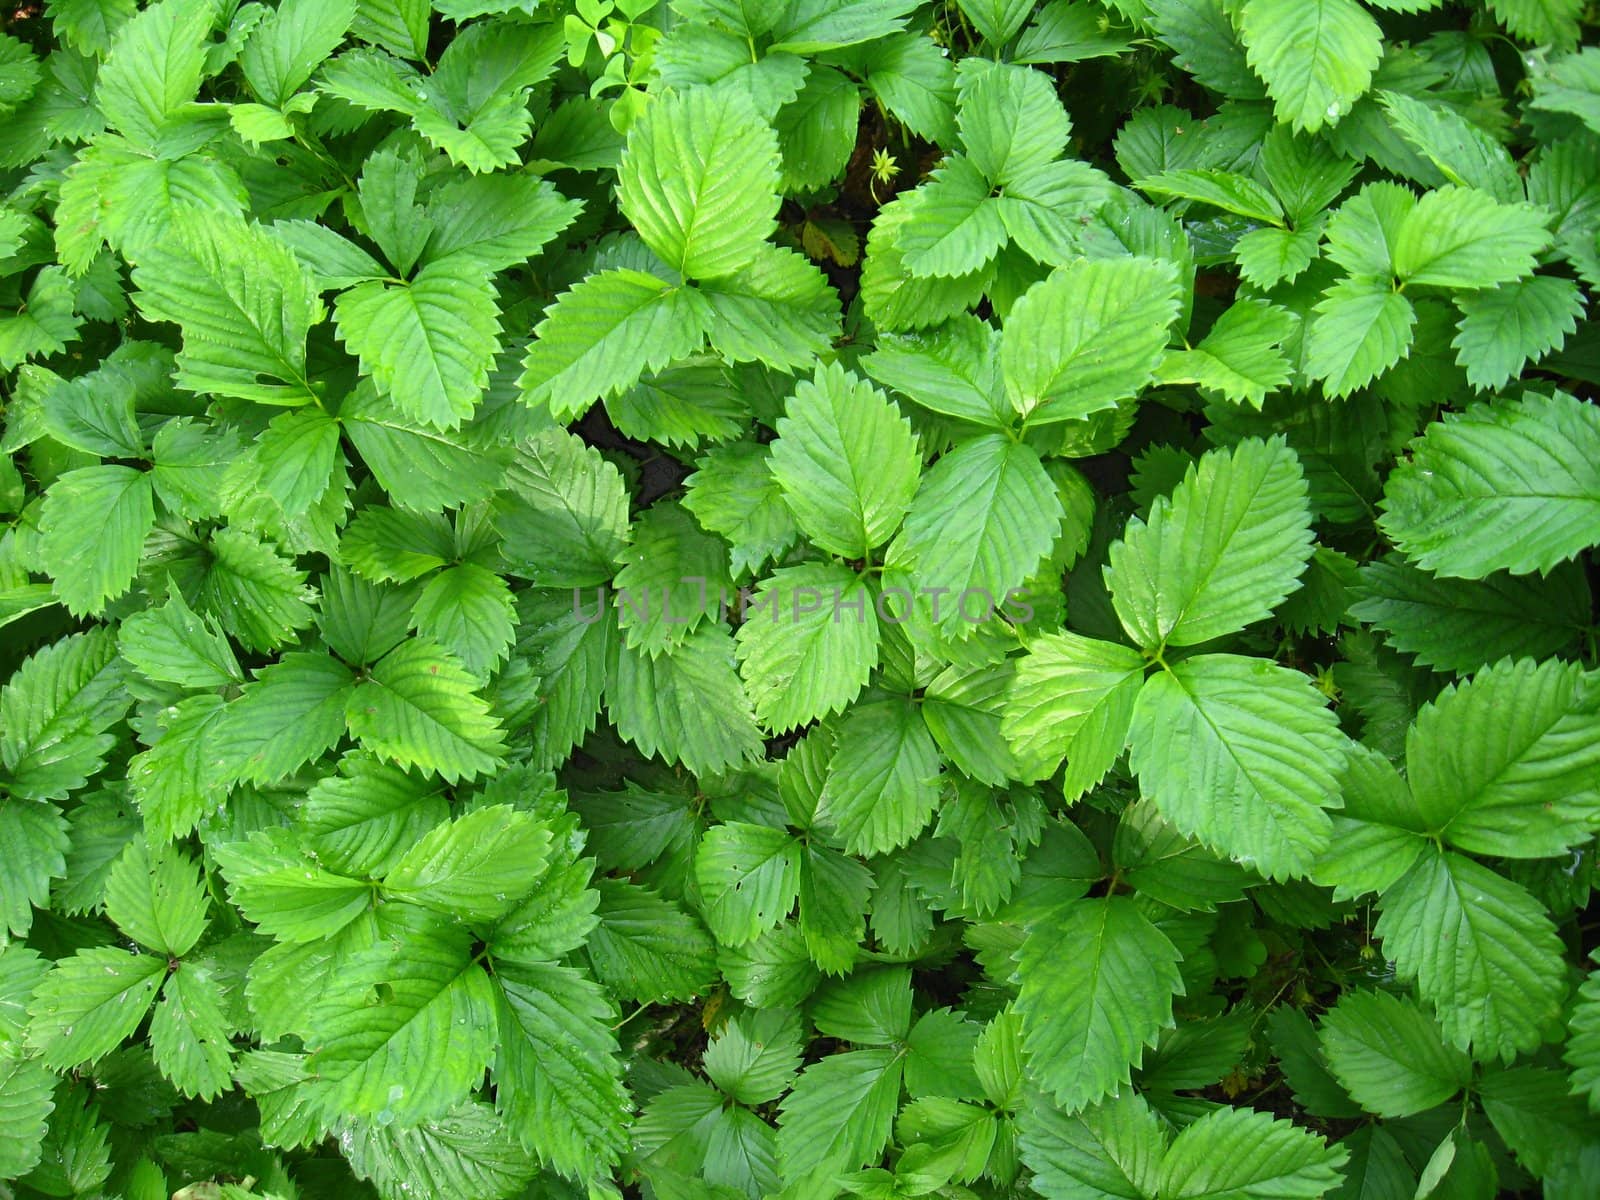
<point>799,598</point>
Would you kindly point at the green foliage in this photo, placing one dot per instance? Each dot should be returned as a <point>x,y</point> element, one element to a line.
<point>744,600</point>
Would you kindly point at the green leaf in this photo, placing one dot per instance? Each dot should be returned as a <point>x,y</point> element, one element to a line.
<point>734,493</point>
<point>1238,1152</point>
<point>953,370</point>
<point>1389,1054</point>
<point>275,882</point>
<point>90,1003</point>
<point>409,1033</point>
<point>1463,624</point>
<point>1073,698</point>
<point>600,338</point>
<point>290,715</point>
<point>699,181</point>
<point>1222,552</point>
<point>252,591</point>
<point>54,711</point>
<point>1231,192</point>
<point>749,878</point>
<point>1582,1051</point>
<point>470,611</point>
<point>883,779</point>
<point>1241,356</point>
<point>1540,21</point>
<point>428,343</point>
<point>93,526</point>
<point>841,1112</point>
<point>26,1103</point>
<point>1112,1148</point>
<point>847,462</point>
<point>1010,118</point>
<point>189,1034</point>
<point>361,821</point>
<point>495,221</point>
<point>647,948</point>
<point>687,704</point>
<point>422,469</point>
<point>1481,950</point>
<point>1363,327</point>
<point>468,1151</point>
<point>159,900</point>
<point>1513,486</point>
<point>290,43</point>
<point>564,513</point>
<point>755,1057</point>
<point>177,780</point>
<point>1095,987</point>
<point>35,839</point>
<point>154,68</point>
<point>1363,233</point>
<point>1505,763</point>
<point>1242,754</point>
<point>474,868</point>
<point>557,1068</point>
<point>1461,237</point>
<point>981,521</point>
<point>779,310</point>
<point>1464,153</point>
<point>953,225</point>
<point>418,707</point>
<point>1089,336</point>
<point>1317,59</point>
<point>244,303</point>
<point>997,20</point>
<point>1505,329</point>
<point>808,642</point>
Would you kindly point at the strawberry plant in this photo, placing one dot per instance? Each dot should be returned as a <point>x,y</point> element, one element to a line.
<point>796,599</point>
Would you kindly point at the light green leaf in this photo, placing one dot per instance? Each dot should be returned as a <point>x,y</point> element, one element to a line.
<point>428,343</point>
<point>1504,329</point>
<point>1362,328</point>
<point>93,526</point>
<point>158,899</point>
<point>244,302</point>
<point>362,820</point>
<point>26,1102</point>
<point>291,42</point>
<point>470,611</point>
<point>557,1069</point>
<point>749,878</point>
<point>699,181</point>
<point>648,948</point>
<point>808,642</point>
<point>1317,58</point>
<point>1109,1149</point>
<point>177,781</point>
<point>291,714</point>
<point>847,462</point>
<point>418,707</point>
<point>1222,552</point>
<point>1242,754</point>
<point>468,1151</point>
<point>1095,986</point>
<point>687,704</point>
<point>1227,190</point>
<point>1513,486</point>
<point>1507,763</point>
<point>563,515</point>
<point>883,779</point>
<point>406,1030</point>
<point>475,868</point>
<point>841,1112</point>
<point>953,225</point>
<point>1464,153</point>
<point>189,1034</point>
<point>1248,1155</point>
<point>297,453</point>
<point>1089,336</point>
<point>1461,237</point>
<point>1481,950</point>
<point>1241,357</point>
<point>154,67</point>
<point>981,521</point>
<point>90,1003</point>
<point>1010,118</point>
<point>54,711</point>
<point>600,337</point>
<point>1073,697</point>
